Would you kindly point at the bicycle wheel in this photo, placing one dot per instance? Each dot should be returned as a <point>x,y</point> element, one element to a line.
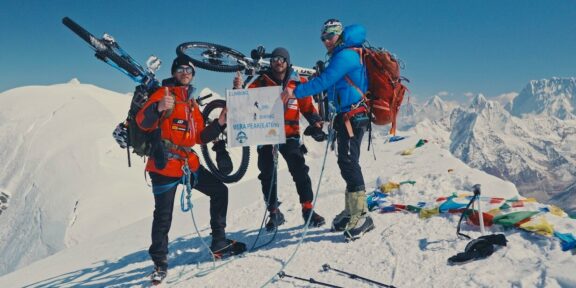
<point>213,57</point>
<point>210,113</point>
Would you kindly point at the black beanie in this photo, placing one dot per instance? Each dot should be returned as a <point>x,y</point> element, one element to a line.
<point>282,52</point>
<point>183,60</point>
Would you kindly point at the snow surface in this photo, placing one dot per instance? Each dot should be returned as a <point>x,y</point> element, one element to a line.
<point>79,217</point>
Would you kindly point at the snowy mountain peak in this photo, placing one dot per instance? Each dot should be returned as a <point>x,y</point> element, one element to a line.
<point>479,102</point>
<point>553,97</point>
<point>74,81</point>
<point>436,102</point>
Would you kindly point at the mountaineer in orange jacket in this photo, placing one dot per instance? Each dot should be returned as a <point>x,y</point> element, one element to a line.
<point>282,74</point>
<point>173,118</point>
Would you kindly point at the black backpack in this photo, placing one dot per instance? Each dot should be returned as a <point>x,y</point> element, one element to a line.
<point>140,141</point>
<point>127,134</point>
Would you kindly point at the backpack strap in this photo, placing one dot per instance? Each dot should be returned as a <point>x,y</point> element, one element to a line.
<point>364,96</point>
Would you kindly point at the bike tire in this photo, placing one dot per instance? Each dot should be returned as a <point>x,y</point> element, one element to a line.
<point>212,57</point>
<point>103,51</point>
<point>210,162</point>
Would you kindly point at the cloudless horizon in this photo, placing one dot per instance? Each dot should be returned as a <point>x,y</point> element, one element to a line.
<point>448,47</point>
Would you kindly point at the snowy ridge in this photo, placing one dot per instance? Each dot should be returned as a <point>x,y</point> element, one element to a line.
<point>552,97</point>
<point>435,109</point>
<point>51,128</point>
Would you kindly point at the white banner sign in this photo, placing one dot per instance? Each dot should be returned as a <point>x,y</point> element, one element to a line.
<point>255,116</point>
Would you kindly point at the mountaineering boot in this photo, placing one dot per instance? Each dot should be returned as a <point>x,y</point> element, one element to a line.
<point>360,222</point>
<point>341,220</point>
<point>315,220</point>
<point>276,218</point>
<point>223,248</point>
<point>160,272</point>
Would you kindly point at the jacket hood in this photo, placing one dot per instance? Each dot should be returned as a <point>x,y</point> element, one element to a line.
<point>353,36</point>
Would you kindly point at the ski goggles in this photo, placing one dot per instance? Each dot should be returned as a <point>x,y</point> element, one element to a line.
<point>184,69</point>
<point>327,36</point>
<point>279,59</point>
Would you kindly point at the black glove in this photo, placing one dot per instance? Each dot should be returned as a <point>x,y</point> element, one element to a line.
<point>316,133</point>
<point>223,160</point>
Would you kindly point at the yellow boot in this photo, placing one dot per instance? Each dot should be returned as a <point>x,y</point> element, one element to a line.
<point>360,222</point>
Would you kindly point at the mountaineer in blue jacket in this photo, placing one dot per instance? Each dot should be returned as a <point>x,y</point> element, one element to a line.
<point>345,81</point>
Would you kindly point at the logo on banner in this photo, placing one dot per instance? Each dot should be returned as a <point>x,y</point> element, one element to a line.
<point>272,133</point>
<point>241,137</point>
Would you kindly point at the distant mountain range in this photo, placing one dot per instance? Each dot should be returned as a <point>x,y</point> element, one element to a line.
<point>530,141</point>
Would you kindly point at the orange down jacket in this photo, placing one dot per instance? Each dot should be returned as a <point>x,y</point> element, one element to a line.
<point>180,126</point>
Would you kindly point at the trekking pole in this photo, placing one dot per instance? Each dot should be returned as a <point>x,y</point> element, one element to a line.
<point>285,264</point>
<point>128,144</point>
<point>281,274</point>
<point>476,190</point>
<point>327,267</point>
<point>272,184</point>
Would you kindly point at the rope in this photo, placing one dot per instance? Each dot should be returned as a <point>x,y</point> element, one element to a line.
<point>187,206</point>
<point>330,135</point>
<point>274,178</point>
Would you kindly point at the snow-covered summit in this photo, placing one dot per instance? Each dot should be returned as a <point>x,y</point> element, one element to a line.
<point>552,97</point>
<point>74,81</point>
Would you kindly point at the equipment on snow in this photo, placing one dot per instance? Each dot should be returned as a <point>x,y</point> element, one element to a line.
<point>281,274</point>
<point>476,190</point>
<point>327,268</point>
<point>481,247</point>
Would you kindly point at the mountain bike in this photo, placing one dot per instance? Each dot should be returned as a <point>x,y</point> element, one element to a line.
<point>110,52</point>
<point>218,58</point>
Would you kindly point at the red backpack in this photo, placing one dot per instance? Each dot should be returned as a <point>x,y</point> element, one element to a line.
<point>385,90</point>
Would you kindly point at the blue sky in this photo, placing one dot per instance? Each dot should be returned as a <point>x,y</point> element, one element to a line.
<point>489,47</point>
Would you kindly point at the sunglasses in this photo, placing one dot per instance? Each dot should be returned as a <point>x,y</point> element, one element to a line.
<point>278,59</point>
<point>327,36</point>
<point>184,69</point>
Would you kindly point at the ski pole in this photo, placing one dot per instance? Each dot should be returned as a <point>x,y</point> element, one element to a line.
<point>128,143</point>
<point>281,274</point>
<point>327,267</point>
